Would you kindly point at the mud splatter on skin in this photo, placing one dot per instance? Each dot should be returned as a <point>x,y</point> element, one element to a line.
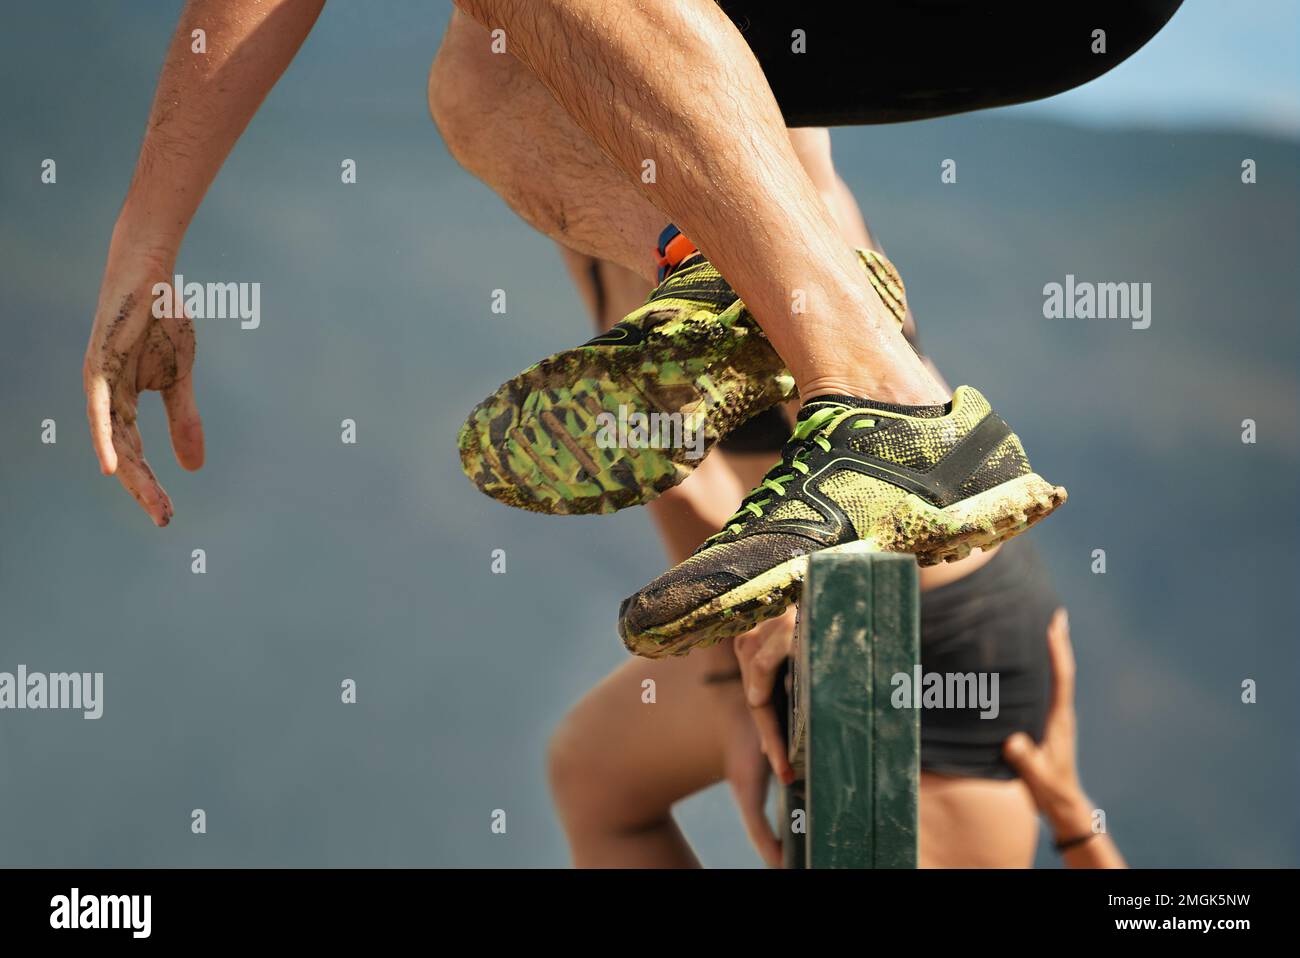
<point>123,312</point>
<point>160,363</point>
<point>113,361</point>
<point>163,357</point>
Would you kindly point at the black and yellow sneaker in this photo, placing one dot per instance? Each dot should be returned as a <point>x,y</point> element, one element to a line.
<point>856,475</point>
<point>616,421</point>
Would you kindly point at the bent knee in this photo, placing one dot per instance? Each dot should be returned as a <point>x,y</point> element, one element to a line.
<point>451,104</point>
<point>592,784</point>
<point>570,766</point>
<point>573,769</point>
<point>465,81</point>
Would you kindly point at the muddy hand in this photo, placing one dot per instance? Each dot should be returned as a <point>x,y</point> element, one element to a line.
<point>131,351</point>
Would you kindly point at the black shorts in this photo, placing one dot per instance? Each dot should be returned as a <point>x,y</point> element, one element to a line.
<point>885,61</point>
<point>993,621</point>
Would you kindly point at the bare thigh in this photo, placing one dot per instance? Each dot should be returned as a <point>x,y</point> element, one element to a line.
<point>649,734</point>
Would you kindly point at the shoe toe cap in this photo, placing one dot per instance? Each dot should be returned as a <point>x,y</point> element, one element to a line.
<point>670,597</point>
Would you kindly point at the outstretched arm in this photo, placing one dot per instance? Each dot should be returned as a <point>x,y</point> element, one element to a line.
<point>206,96</point>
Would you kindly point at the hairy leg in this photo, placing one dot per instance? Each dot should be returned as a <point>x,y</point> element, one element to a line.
<point>503,126</point>
<point>675,85</point>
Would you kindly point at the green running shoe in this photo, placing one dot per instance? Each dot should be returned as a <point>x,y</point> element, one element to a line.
<point>630,413</point>
<point>936,481</point>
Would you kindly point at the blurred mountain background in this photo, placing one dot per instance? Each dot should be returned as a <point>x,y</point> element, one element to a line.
<point>371,561</point>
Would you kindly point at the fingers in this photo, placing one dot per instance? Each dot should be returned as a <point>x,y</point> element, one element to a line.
<point>99,404</point>
<point>772,741</point>
<point>135,475</point>
<point>108,369</point>
<point>761,653</point>
<point>1023,755</point>
<point>765,665</point>
<point>184,423</point>
<point>1018,750</point>
<point>1062,656</point>
<point>751,799</point>
<point>1060,724</point>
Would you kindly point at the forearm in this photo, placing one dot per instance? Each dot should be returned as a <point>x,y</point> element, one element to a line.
<point>1073,819</point>
<point>203,103</point>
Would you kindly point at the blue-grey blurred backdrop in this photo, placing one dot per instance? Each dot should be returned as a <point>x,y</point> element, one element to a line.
<point>372,561</point>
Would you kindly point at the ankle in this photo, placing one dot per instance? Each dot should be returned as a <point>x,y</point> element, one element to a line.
<point>911,391</point>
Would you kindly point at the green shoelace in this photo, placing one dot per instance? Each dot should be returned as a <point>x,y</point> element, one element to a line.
<point>809,432</point>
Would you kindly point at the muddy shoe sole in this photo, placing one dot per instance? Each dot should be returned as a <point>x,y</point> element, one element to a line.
<point>613,424</point>
<point>617,421</point>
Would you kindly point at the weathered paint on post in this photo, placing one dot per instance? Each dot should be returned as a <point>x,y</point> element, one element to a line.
<point>857,756</point>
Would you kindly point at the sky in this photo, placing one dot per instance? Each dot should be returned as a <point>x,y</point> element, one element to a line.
<point>1214,65</point>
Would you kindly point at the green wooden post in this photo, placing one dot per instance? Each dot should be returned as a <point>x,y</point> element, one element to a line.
<point>857,756</point>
